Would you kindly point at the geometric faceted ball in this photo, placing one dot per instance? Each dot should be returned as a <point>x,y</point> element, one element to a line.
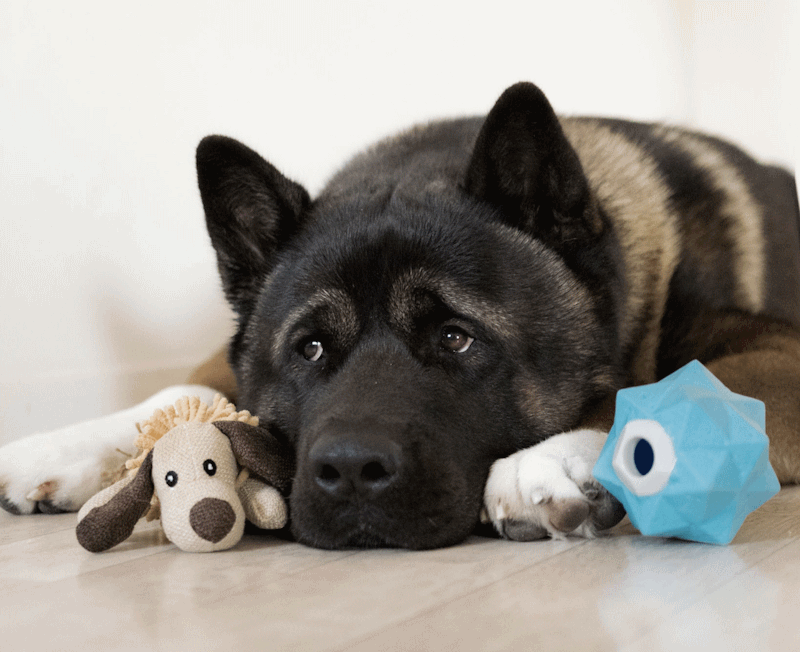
<point>687,457</point>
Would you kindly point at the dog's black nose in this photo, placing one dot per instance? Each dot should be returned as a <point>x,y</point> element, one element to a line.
<point>345,466</point>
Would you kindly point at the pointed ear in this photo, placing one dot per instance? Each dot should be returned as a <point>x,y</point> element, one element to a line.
<point>524,165</point>
<point>108,517</point>
<point>251,211</point>
<point>258,450</point>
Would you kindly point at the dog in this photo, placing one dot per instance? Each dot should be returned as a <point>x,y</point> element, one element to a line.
<point>440,334</point>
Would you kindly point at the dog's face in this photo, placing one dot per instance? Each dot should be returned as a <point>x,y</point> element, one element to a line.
<point>403,341</point>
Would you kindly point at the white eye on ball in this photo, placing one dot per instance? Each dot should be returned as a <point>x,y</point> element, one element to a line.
<point>644,457</point>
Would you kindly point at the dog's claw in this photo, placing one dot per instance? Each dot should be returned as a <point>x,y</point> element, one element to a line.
<point>591,490</point>
<point>43,491</point>
<point>7,505</point>
<point>522,530</point>
<point>47,507</point>
<point>607,511</point>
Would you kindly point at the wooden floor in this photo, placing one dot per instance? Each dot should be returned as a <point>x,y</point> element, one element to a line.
<point>622,592</point>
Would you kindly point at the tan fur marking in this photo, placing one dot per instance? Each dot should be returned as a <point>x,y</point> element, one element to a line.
<point>627,184</point>
<point>545,407</point>
<point>338,301</point>
<point>740,209</point>
<point>457,298</point>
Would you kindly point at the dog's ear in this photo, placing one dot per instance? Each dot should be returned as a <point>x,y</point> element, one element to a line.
<point>108,517</point>
<point>251,210</point>
<point>257,449</point>
<point>524,165</point>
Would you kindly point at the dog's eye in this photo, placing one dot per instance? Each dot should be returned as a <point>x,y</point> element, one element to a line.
<point>171,478</point>
<point>209,467</point>
<point>456,340</point>
<point>313,350</point>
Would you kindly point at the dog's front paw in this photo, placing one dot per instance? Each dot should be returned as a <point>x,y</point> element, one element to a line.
<point>52,473</point>
<point>548,490</point>
<point>58,471</point>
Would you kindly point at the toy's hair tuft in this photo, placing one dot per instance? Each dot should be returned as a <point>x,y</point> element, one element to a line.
<point>188,409</point>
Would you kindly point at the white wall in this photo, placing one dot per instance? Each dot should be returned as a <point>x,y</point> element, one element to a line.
<point>107,281</point>
<point>744,73</point>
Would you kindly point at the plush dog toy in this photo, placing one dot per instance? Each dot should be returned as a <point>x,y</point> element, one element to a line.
<point>205,469</point>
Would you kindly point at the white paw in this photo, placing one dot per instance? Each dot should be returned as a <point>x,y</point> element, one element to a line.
<point>548,490</point>
<point>54,472</point>
<point>58,471</point>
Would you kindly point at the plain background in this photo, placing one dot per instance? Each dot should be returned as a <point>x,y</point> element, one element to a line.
<point>107,279</point>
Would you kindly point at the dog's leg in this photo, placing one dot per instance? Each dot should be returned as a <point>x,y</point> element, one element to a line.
<point>548,490</point>
<point>60,470</point>
<point>768,368</point>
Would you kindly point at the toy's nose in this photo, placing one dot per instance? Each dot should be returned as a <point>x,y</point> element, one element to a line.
<point>212,519</point>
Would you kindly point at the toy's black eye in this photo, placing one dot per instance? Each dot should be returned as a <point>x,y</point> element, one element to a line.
<point>171,478</point>
<point>313,350</point>
<point>209,467</point>
<point>455,339</point>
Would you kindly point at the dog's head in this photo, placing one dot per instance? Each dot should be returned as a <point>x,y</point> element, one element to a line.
<point>404,337</point>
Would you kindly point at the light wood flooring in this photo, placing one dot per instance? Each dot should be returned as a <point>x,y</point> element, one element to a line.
<point>621,592</point>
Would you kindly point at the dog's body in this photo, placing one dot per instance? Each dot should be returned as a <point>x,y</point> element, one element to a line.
<point>468,289</point>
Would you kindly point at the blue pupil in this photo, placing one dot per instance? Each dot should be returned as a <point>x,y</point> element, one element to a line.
<point>643,457</point>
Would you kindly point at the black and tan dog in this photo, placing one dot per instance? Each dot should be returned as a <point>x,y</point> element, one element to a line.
<point>441,333</point>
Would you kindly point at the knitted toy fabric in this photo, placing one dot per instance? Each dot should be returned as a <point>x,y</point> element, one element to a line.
<point>188,409</point>
<point>205,469</point>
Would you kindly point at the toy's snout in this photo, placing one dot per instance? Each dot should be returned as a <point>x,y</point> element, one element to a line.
<point>212,519</point>
<point>205,516</point>
<point>194,473</point>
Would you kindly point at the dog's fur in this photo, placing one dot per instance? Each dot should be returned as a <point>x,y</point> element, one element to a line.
<point>464,291</point>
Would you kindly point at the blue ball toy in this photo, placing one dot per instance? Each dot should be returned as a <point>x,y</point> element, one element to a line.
<point>687,457</point>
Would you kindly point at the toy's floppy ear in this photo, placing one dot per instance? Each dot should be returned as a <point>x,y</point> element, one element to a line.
<point>258,450</point>
<point>108,518</point>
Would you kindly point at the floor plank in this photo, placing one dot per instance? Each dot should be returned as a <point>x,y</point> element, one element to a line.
<point>619,592</point>
<point>758,610</point>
